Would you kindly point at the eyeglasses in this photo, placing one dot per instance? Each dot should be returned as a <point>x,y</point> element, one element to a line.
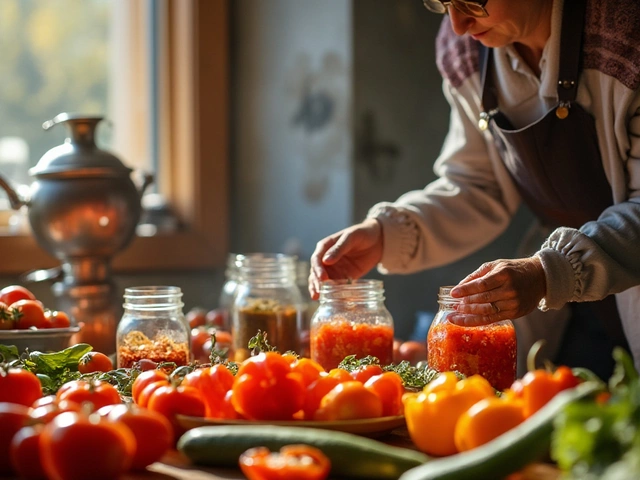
<point>473,8</point>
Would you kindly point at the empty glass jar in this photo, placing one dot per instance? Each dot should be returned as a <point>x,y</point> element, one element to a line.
<point>351,319</point>
<point>488,350</point>
<point>153,327</point>
<point>267,299</point>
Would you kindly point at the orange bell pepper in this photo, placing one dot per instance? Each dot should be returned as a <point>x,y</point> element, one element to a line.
<point>486,420</point>
<point>432,414</point>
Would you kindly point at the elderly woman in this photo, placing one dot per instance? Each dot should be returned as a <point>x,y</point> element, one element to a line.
<point>545,109</point>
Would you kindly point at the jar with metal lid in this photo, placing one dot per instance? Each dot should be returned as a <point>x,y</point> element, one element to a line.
<point>351,319</point>
<point>487,350</point>
<point>153,327</point>
<point>267,299</point>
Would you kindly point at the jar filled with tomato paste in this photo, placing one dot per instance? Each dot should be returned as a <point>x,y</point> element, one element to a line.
<point>267,299</point>
<point>351,319</point>
<point>153,327</point>
<point>488,350</point>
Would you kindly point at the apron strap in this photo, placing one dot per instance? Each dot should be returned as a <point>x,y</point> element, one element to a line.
<point>571,49</point>
<point>489,97</point>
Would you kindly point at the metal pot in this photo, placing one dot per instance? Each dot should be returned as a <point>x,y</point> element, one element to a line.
<point>83,201</point>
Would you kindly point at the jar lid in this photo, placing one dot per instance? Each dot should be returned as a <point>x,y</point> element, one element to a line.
<point>78,156</point>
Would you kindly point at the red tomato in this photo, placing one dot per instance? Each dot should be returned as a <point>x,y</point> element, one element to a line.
<point>315,392</point>
<point>213,383</point>
<point>97,392</point>
<point>197,317</point>
<point>349,401</point>
<point>365,372</point>
<point>341,374</point>
<point>107,448</point>
<point>95,362</point>
<point>299,462</point>
<point>412,351</point>
<point>7,320</point>
<point>12,418</point>
<point>266,388</point>
<point>145,394</point>
<point>153,432</point>
<point>70,385</point>
<point>29,314</point>
<point>389,388</point>
<point>170,401</point>
<point>19,386</point>
<point>25,453</point>
<point>308,369</point>
<point>217,318</point>
<point>57,319</point>
<point>13,293</point>
<point>146,378</point>
<point>199,336</point>
<point>49,399</point>
<point>46,413</point>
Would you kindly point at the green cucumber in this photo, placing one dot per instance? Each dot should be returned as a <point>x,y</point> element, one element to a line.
<point>351,455</point>
<point>508,453</point>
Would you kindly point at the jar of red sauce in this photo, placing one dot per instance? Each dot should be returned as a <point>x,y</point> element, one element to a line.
<point>351,319</point>
<point>488,350</point>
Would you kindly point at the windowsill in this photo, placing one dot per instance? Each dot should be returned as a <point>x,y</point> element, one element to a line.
<point>178,251</point>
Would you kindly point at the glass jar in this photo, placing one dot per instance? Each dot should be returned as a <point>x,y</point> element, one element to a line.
<point>488,350</point>
<point>152,327</point>
<point>351,319</point>
<point>225,300</point>
<point>267,299</point>
<point>303,269</point>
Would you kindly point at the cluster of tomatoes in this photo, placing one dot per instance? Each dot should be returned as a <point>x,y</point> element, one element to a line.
<point>203,324</point>
<point>271,386</point>
<point>40,436</point>
<point>19,309</point>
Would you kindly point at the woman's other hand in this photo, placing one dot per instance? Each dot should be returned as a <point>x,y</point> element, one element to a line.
<point>350,253</point>
<point>499,290</point>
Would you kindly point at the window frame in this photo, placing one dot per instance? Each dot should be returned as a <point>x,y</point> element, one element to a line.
<point>194,128</point>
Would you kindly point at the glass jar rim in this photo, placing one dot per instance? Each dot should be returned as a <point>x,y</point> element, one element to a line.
<point>351,291</point>
<point>151,291</point>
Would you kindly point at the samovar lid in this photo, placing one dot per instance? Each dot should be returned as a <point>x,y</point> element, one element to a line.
<point>78,156</point>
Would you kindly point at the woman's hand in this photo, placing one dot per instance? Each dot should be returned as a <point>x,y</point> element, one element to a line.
<point>348,254</point>
<point>499,290</point>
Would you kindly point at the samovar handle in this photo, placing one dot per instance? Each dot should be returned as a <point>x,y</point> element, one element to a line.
<point>147,179</point>
<point>14,199</point>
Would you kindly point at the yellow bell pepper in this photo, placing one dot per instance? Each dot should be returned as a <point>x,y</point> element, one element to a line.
<point>432,414</point>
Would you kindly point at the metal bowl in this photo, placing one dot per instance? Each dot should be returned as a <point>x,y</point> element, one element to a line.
<point>42,340</point>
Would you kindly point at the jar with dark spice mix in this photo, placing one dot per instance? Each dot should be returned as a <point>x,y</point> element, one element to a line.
<point>488,350</point>
<point>351,319</point>
<point>153,327</point>
<point>267,299</point>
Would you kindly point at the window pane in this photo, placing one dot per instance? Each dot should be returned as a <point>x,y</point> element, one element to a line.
<point>54,58</point>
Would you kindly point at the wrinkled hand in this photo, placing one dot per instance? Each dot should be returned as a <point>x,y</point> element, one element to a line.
<point>499,290</point>
<point>348,254</point>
